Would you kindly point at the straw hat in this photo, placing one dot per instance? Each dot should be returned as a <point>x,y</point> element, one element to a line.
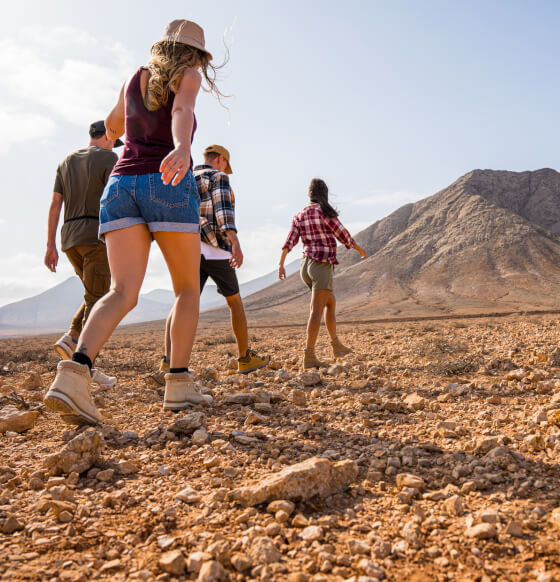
<point>186,32</point>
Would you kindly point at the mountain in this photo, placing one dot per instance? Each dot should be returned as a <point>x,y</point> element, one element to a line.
<point>53,309</point>
<point>488,242</point>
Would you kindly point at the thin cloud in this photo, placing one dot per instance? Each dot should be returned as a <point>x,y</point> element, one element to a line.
<point>384,197</point>
<point>62,85</point>
<point>19,127</point>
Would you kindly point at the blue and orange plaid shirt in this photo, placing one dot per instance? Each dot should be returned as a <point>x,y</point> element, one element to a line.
<point>318,234</point>
<point>217,206</point>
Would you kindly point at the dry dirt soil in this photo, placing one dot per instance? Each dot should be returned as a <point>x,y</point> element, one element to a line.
<point>466,409</point>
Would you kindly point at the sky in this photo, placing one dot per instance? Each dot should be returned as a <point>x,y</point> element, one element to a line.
<point>388,101</point>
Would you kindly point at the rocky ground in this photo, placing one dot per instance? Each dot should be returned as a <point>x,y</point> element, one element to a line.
<point>428,454</point>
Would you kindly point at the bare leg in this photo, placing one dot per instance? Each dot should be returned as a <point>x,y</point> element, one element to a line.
<point>238,323</point>
<point>127,250</point>
<point>167,348</point>
<point>319,299</point>
<point>330,316</point>
<point>181,252</point>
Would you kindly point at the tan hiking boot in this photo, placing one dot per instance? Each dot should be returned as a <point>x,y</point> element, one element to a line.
<point>159,376</point>
<point>99,377</point>
<point>251,362</point>
<point>65,346</point>
<point>69,394</point>
<point>339,349</point>
<point>181,393</point>
<point>310,360</point>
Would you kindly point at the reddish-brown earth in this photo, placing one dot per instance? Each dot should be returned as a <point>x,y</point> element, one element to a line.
<point>453,426</point>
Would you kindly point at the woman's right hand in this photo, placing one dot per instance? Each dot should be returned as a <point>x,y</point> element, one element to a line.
<point>281,272</point>
<point>175,166</point>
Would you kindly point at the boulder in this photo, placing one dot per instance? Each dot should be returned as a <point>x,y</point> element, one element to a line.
<point>14,420</point>
<point>315,476</point>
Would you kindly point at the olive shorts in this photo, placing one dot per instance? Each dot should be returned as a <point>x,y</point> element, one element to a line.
<point>316,276</point>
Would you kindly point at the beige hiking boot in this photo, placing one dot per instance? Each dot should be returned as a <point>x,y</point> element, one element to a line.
<point>339,349</point>
<point>65,346</point>
<point>310,360</point>
<point>99,377</point>
<point>181,393</point>
<point>69,394</point>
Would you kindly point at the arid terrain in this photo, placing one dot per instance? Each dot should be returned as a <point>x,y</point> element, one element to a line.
<point>448,433</point>
<point>488,242</point>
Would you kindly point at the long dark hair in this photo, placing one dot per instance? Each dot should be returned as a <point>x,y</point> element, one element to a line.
<point>319,193</point>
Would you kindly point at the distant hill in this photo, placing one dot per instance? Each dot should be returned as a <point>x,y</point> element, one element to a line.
<point>488,242</point>
<point>53,309</point>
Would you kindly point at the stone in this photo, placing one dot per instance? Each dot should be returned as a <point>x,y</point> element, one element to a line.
<point>263,551</point>
<point>485,444</point>
<point>195,561</point>
<point>514,529</point>
<point>200,436</point>
<point>309,378</point>
<point>358,547</point>
<point>298,397</point>
<point>187,424</point>
<point>240,561</point>
<point>535,442</point>
<point>315,476</point>
<point>454,505</point>
<point>415,401</point>
<point>312,533</point>
<point>14,420</point>
<point>555,518</point>
<point>368,568</point>
<point>482,531</point>
<point>254,418</point>
<point>244,398</point>
<point>11,524</point>
<point>127,467</point>
<point>78,455</point>
<point>32,381</point>
<point>211,571</point>
<point>173,562</point>
<point>553,417</point>
<point>410,480</point>
<point>188,495</point>
<point>281,505</point>
<point>105,475</point>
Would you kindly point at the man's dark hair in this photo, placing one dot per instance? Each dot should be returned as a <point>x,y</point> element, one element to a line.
<point>97,135</point>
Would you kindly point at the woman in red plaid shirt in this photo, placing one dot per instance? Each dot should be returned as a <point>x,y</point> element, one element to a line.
<point>319,229</point>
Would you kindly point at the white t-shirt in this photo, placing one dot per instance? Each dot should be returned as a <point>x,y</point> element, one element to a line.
<point>211,253</point>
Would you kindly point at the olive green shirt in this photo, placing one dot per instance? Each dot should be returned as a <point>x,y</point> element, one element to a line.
<point>81,178</point>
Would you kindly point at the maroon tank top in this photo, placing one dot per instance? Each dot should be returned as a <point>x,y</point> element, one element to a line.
<point>148,137</point>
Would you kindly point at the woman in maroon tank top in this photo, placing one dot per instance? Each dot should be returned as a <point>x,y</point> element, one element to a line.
<point>151,194</point>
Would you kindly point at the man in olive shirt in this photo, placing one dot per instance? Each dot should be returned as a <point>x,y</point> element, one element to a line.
<point>79,183</point>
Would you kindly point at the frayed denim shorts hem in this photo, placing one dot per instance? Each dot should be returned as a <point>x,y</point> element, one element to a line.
<point>144,199</point>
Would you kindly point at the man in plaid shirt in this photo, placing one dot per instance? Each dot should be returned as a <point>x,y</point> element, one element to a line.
<point>221,252</point>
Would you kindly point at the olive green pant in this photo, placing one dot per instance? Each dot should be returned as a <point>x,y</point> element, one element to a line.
<point>92,267</point>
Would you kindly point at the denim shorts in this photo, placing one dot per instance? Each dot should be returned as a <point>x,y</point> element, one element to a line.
<point>145,199</point>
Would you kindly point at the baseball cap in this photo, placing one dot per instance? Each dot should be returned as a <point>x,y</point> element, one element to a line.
<point>97,128</point>
<point>218,149</point>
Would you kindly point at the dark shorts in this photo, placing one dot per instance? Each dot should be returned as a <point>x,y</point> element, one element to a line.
<point>222,273</point>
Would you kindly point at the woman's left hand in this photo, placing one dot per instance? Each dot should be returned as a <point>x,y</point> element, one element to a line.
<point>175,166</point>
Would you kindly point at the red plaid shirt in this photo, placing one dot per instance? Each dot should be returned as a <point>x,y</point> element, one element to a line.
<point>318,234</point>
